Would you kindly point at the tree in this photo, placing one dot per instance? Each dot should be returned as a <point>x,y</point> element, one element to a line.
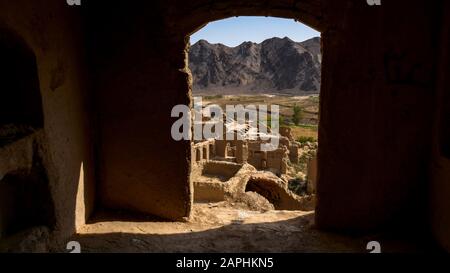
<point>282,121</point>
<point>297,116</point>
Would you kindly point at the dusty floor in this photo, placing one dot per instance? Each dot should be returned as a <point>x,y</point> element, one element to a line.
<point>225,227</point>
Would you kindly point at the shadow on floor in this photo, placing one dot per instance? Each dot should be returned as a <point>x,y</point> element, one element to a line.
<point>293,235</point>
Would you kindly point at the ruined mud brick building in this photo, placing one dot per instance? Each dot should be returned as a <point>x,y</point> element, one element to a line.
<point>223,169</point>
<point>242,141</point>
<point>86,95</point>
<point>243,151</point>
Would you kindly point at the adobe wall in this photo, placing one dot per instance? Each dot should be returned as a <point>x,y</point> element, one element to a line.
<point>439,190</point>
<point>137,66</point>
<point>226,169</point>
<point>377,103</point>
<point>311,175</point>
<point>377,95</point>
<point>140,71</point>
<point>276,160</point>
<point>377,100</point>
<point>53,33</point>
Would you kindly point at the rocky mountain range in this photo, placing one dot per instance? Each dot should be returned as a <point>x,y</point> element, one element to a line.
<point>277,65</point>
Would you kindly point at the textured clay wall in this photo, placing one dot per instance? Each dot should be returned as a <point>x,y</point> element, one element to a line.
<point>54,34</point>
<point>377,104</point>
<point>226,169</point>
<point>439,205</point>
<point>377,101</point>
<point>138,70</point>
<point>138,62</point>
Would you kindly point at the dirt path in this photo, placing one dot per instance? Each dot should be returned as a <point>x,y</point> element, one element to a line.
<point>222,227</point>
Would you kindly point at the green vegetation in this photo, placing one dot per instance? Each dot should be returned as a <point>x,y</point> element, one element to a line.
<point>281,121</point>
<point>297,186</point>
<point>304,139</point>
<point>308,126</point>
<point>312,127</point>
<point>297,116</point>
<point>269,121</point>
<point>314,99</point>
<point>213,97</point>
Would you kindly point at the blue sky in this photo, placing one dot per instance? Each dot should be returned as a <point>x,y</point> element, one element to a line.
<point>234,31</point>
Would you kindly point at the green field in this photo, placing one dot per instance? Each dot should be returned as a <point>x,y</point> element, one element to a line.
<point>309,105</point>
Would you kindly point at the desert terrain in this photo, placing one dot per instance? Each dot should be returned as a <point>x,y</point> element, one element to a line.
<point>309,105</point>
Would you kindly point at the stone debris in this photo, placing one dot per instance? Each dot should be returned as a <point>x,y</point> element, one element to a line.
<point>240,171</point>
